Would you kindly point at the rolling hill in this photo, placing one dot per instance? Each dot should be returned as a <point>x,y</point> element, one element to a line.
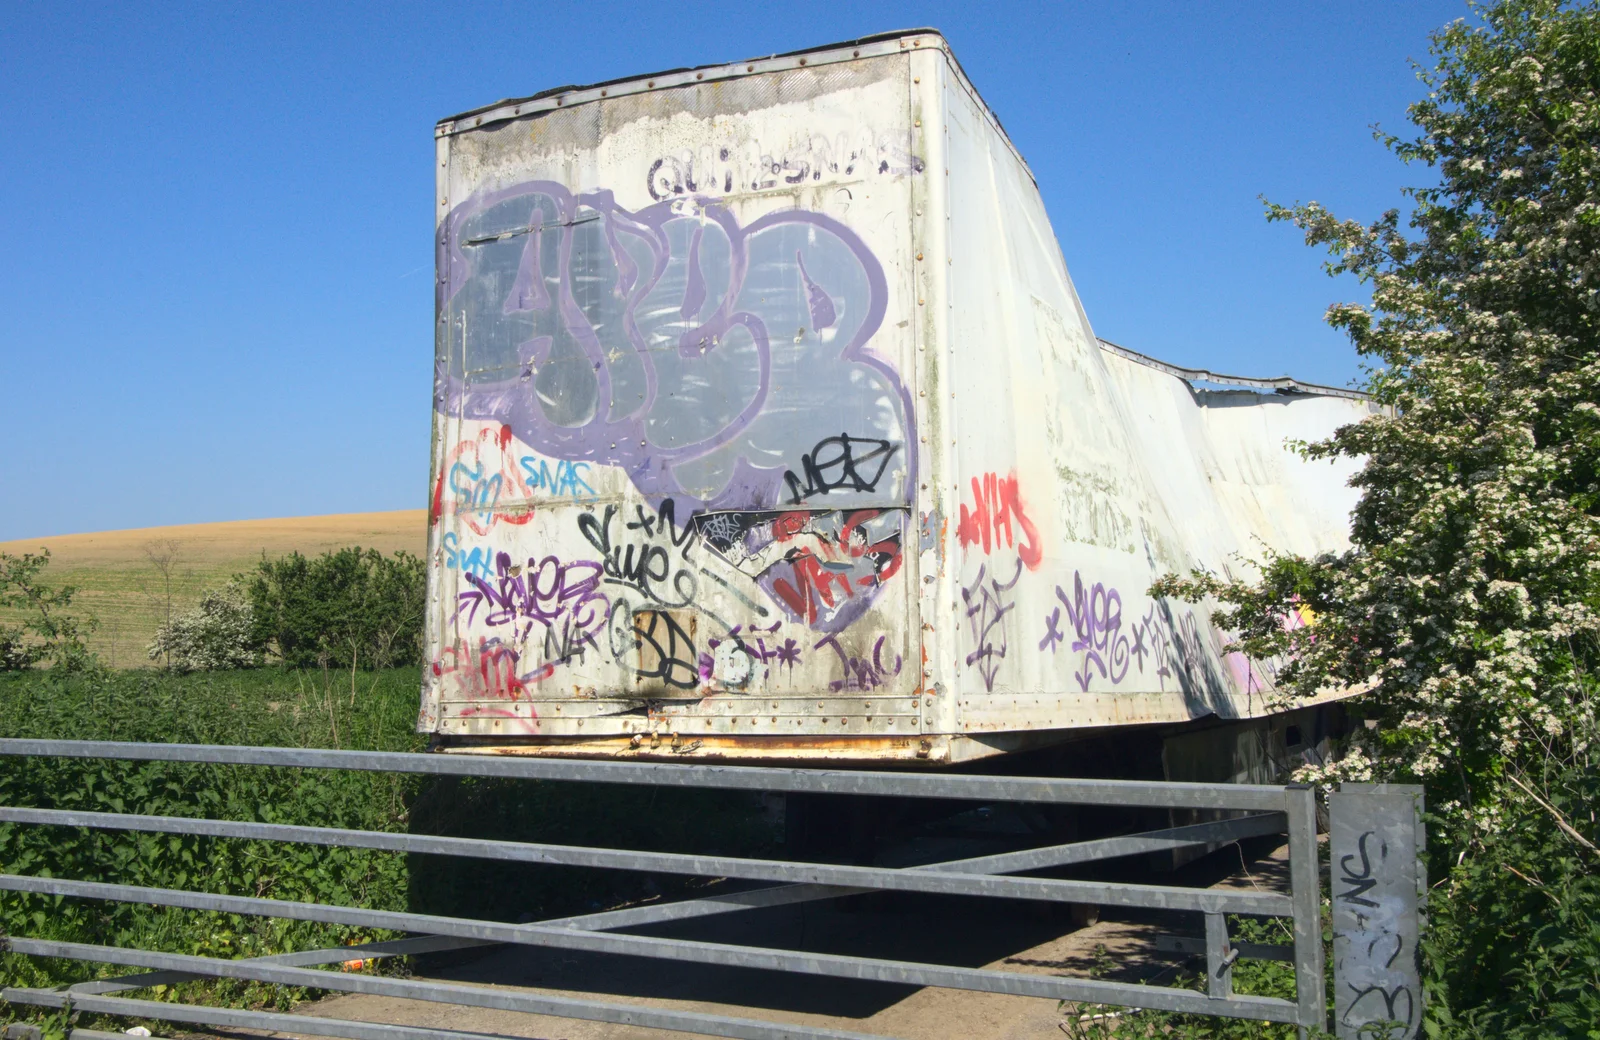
<point>121,579</point>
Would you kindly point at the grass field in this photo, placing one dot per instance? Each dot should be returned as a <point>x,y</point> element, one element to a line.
<point>126,590</point>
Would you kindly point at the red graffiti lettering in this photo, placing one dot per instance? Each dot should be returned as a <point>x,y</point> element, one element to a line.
<point>480,482</point>
<point>828,573</point>
<point>486,671</point>
<point>996,502</point>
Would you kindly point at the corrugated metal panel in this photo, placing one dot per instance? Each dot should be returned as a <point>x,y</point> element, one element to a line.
<point>674,447</point>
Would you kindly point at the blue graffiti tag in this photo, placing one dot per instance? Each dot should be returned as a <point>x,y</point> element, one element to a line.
<point>567,480</point>
<point>475,562</point>
<point>474,494</point>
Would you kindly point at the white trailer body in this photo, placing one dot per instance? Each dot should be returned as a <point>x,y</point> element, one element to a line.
<point>768,425</point>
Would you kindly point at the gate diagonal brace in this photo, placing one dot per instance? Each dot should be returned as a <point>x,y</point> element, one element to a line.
<point>1028,859</point>
<point>983,881</point>
<point>778,895</point>
<point>307,958</point>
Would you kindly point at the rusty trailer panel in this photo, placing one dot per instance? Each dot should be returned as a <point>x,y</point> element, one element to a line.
<point>769,426</point>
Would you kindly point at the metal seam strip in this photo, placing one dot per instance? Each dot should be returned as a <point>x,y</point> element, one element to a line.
<point>516,109</point>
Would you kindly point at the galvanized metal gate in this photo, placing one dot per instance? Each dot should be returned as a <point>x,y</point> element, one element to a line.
<point>1254,810</point>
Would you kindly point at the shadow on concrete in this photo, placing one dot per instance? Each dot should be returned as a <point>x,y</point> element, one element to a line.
<point>929,929</point>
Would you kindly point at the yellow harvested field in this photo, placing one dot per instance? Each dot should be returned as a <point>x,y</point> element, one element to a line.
<point>124,587</point>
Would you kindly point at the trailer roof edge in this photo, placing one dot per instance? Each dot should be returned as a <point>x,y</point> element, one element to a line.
<point>1281,384</point>
<point>876,45</point>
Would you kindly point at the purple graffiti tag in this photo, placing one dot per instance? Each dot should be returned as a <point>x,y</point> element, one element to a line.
<point>753,644</point>
<point>563,598</point>
<point>1052,632</point>
<point>1096,617</point>
<point>698,355</point>
<point>861,673</point>
<point>987,606</point>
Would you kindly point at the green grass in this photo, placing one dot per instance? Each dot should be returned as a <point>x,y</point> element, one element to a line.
<point>254,707</point>
<point>129,600</point>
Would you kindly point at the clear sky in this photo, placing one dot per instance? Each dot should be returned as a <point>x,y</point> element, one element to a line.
<point>217,219</point>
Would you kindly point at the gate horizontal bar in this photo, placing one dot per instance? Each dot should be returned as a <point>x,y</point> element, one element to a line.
<point>1189,944</point>
<point>1162,795</point>
<point>557,1007</point>
<point>907,880</point>
<point>836,965</point>
<point>307,958</point>
<point>1055,987</point>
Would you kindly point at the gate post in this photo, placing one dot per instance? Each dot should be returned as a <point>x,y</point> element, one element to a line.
<point>1305,886</point>
<point>1379,891</point>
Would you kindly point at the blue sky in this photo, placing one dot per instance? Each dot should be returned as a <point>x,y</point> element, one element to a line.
<point>218,218</point>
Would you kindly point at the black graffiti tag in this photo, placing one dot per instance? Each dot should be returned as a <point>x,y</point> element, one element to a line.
<point>640,555</point>
<point>674,660</point>
<point>1361,882</point>
<point>986,609</point>
<point>1398,1001</point>
<point>840,463</point>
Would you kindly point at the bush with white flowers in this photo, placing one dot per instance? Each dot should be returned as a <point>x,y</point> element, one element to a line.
<point>215,634</point>
<point>1469,602</point>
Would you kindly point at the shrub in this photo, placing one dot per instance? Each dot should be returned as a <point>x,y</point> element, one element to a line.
<point>1468,605</point>
<point>346,609</point>
<point>219,633</point>
<point>1515,924</point>
<point>46,631</point>
<point>275,708</point>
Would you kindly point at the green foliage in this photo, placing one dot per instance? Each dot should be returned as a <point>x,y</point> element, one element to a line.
<point>218,633</point>
<point>47,631</point>
<point>272,707</point>
<point>261,707</point>
<point>1251,977</point>
<point>1469,602</point>
<point>1519,919</point>
<point>344,609</point>
<point>1468,599</point>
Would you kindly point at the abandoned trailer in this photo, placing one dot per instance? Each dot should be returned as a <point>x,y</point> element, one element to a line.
<point>769,427</point>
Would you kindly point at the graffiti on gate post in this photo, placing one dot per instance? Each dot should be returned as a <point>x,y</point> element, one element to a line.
<point>1375,841</point>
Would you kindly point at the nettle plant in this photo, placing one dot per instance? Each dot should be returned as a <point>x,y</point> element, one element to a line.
<point>1466,603</point>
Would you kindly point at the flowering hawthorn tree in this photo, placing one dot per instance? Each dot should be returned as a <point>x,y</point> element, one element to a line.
<point>1467,601</point>
<point>1467,608</point>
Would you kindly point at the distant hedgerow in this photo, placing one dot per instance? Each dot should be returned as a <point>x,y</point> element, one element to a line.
<point>346,609</point>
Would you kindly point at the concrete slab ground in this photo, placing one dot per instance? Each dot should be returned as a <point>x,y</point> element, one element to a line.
<point>1020,937</point>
